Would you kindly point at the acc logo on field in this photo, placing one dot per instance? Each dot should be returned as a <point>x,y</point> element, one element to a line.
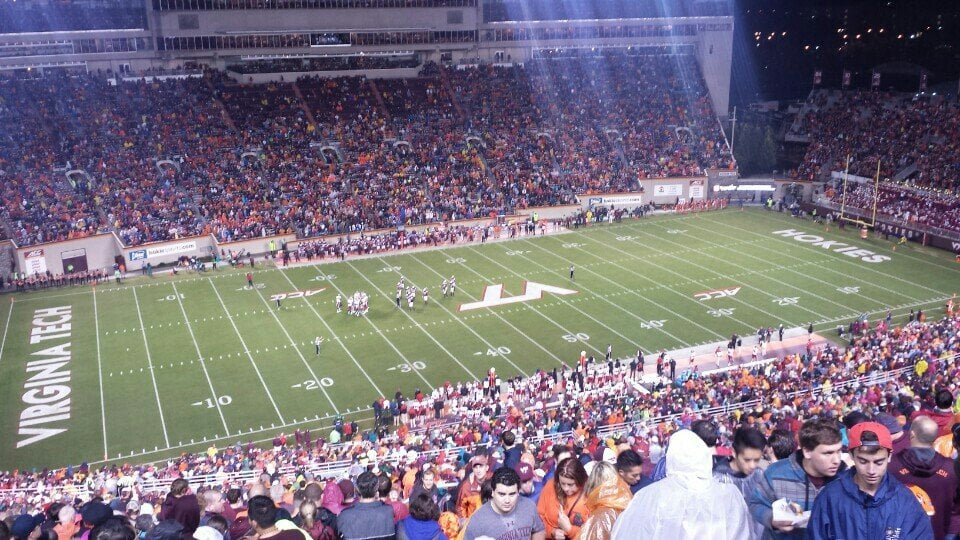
<point>296,294</point>
<point>720,293</point>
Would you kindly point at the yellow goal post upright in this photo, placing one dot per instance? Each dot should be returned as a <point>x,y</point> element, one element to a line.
<point>857,219</point>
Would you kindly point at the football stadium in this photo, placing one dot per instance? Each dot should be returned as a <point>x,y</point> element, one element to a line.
<point>547,269</point>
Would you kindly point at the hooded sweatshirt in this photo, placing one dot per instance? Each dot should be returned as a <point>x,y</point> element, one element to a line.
<point>415,529</point>
<point>843,510</point>
<point>688,503</point>
<point>932,479</point>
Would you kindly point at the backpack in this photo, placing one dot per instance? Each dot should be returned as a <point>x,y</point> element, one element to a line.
<point>322,531</point>
<point>329,520</point>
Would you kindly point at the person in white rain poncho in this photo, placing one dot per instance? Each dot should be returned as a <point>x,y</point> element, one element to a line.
<point>688,503</point>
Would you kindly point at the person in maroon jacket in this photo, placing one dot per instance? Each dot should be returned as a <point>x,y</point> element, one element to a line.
<point>930,476</point>
<point>182,506</point>
<point>942,413</point>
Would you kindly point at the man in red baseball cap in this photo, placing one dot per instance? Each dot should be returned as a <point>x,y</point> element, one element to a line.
<point>866,502</point>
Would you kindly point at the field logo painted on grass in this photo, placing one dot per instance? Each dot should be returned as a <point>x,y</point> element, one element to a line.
<point>719,293</point>
<point>864,255</point>
<point>493,295</point>
<point>47,391</point>
<point>296,294</point>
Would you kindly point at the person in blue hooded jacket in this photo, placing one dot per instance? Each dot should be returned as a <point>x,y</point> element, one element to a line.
<point>866,502</point>
<point>421,524</point>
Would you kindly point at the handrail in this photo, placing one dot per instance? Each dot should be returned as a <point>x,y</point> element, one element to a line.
<point>336,468</point>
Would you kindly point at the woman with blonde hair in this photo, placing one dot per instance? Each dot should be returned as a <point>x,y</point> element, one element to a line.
<point>314,527</point>
<point>607,496</point>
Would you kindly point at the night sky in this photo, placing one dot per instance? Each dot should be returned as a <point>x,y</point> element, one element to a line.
<point>779,43</point>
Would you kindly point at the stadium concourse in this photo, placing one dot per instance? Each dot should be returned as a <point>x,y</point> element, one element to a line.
<point>429,456</point>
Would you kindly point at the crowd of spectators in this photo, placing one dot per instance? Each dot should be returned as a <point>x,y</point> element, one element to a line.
<point>169,159</point>
<point>914,207</point>
<point>530,426</point>
<point>894,129</point>
<point>914,136</point>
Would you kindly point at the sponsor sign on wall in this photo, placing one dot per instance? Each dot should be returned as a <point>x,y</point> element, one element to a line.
<point>616,200</point>
<point>668,190</point>
<point>35,261</point>
<point>165,249</point>
<point>696,189</point>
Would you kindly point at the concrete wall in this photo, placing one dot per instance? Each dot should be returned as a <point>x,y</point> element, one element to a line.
<point>260,78</point>
<point>100,251</point>
<point>715,56</point>
<point>315,20</point>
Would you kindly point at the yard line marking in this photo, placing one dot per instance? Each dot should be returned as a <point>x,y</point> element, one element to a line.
<point>299,352</point>
<point>417,325</point>
<point>465,325</point>
<point>103,408</point>
<point>246,349</point>
<point>621,286</point>
<point>6,327</point>
<point>385,338</point>
<point>196,346</point>
<point>335,337</point>
<point>508,323</point>
<point>745,273</point>
<point>849,262</point>
<point>635,293</point>
<point>812,277</point>
<point>146,347</point>
<point>537,311</point>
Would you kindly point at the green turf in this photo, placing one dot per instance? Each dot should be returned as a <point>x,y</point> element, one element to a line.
<point>635,286</point>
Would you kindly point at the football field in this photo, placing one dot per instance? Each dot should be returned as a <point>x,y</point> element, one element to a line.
<point>158,366</point>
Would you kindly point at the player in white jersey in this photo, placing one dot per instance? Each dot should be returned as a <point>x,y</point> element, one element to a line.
<point>339,303</point>
<point>453,285</point>
<point>350,306</point>
<point>443,287</point>
<point>426,296</point>
<point>411,296</point>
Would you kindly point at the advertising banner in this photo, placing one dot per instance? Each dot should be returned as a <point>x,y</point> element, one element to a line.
<point>165,249</point>
<point>668,190</point>
<point>36,262</point>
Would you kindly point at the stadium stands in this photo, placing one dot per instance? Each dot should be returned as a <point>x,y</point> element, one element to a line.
<point>183,157</point>
<point>878,372</point>
<point>900,130</point>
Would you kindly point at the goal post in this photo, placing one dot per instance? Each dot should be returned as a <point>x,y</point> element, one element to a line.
<point>856,217</point>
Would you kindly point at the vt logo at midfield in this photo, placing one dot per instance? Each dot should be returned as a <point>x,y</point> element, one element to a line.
<point>493,295</point>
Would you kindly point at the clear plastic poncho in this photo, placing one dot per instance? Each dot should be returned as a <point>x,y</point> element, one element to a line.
<point>688,503</point>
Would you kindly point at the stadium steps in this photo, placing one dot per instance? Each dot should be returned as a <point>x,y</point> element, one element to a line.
<point>614,141</point>
<point>454,99</point>
<point>223,108</point>
<point>6,231</point>
<point>303,103</point>
<point>905,172</point>
<point>379,97</point>
<point>6,253</point>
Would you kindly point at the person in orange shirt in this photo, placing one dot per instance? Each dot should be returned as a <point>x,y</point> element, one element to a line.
<point>468,496</point>
<point>562,505</point>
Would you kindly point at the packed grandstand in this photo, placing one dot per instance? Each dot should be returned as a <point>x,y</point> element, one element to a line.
<point>208,152</point>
